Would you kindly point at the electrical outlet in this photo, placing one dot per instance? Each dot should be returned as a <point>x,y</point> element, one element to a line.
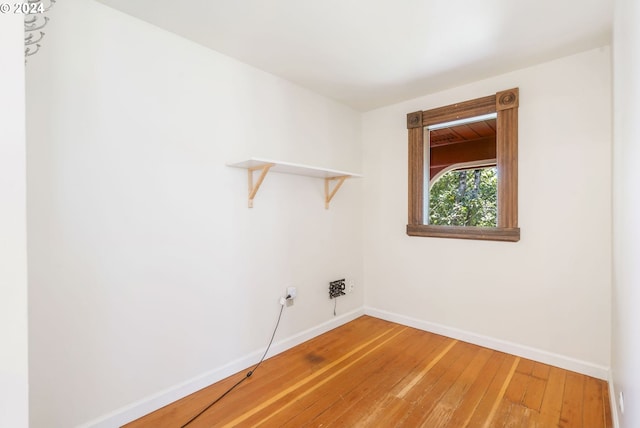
<point>292,292</point>
<point>351,284</point>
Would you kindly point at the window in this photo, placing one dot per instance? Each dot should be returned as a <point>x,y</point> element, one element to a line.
<point>471,158</point>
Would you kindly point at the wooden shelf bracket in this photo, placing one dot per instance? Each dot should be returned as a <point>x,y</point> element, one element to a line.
<point>328,195</point>
<point>253,189</point>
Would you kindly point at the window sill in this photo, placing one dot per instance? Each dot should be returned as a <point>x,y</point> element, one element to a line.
<point>464,232</point>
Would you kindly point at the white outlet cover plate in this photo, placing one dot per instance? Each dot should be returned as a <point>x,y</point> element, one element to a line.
<point>291,291</point>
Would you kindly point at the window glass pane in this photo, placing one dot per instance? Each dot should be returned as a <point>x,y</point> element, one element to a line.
<point>465,197</point>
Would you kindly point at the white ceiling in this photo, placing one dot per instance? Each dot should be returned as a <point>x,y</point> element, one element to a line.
<point>372,53</point>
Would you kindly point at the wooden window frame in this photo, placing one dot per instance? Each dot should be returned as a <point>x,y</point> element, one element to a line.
<point>505,105</point>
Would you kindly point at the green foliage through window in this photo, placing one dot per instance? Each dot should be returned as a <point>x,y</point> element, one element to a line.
<point>465,198</point>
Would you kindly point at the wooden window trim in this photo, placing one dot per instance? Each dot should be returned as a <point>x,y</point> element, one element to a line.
<point>505,105</point>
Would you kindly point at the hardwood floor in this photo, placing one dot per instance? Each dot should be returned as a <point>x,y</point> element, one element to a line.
<point>373,373</point>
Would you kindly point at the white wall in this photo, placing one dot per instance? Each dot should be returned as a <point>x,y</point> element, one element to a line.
<point>13,227</point>
<point>147,269</point>
<point>625,361</point>
<point>551,290</point>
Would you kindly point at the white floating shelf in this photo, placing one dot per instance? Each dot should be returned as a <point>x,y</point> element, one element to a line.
<point>292,168</point>
<point>265,165</point>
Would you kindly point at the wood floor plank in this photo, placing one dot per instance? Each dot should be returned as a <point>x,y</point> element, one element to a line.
<point>305,407</point>
<point>500,398</point>
<point>526,366</point>
<point>500,416</point>
<point>494,394</point>
<point>374,376</point>
<point>551,406</point>
<point>294,391</point>
<point>593,409</point>
<point>531,419</point>
<point>453,397</point>
<point>373,373</point>
<point>391,402</point>
<point>572,401</point>
<point>429,394</point>
<point>374,390</point>
<point>534,393</point>
<point>253,399</point>
<point>517,387</point>
<point>517,416</point>
<point>541,371</point>
<point>424,394</point>
<point>420,375</point>
<point>608,421</point>
<point>522,417</point>
<point>396,403</point>
<point>463,414</point>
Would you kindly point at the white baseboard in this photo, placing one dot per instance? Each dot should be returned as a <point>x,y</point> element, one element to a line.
<point>149,404</point>
<point>524,351</point>
<point>613,401</point>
